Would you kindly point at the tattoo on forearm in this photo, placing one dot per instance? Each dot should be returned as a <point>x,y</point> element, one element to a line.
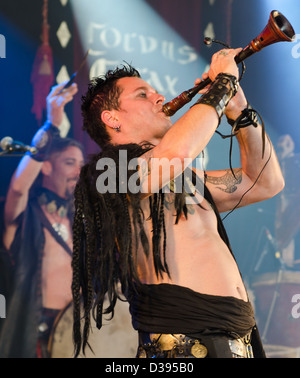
<point>228,181</point>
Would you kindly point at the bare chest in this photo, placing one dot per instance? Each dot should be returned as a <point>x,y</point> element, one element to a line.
<point>197,256</point>
<point>56,268</point>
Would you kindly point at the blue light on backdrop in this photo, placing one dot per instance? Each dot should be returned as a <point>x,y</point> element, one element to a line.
<point>118,31</point>
<point>131,31</point>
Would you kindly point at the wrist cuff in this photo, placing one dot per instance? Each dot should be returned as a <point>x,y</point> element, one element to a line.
<point>43,139</point>
<point>219,93</point>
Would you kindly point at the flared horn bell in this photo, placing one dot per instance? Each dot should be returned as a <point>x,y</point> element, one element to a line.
<point>278,29</point>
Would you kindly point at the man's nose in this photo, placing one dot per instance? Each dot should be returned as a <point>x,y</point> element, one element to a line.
<point>160,99</point>
<point>77,170</point>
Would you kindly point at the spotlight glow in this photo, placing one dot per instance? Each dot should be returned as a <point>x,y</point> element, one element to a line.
<point>133,32</point>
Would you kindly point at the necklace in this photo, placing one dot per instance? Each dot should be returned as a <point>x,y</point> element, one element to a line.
<point>62,230</point>
<point>56,207</point>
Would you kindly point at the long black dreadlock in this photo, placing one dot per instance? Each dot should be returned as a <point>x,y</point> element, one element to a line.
<point>107,231</point>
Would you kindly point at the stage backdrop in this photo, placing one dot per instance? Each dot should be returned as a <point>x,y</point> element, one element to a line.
<point>164,41</point>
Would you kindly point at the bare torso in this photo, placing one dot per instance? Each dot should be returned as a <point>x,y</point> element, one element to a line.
<point>196,255</point>
<point>56,270</point>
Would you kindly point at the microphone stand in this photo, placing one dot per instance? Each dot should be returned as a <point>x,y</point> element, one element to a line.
<point>16,151</point>
<point>11,154</point>
<point>275,297</point>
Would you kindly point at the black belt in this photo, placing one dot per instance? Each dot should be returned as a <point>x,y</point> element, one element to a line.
<point>181,346</point>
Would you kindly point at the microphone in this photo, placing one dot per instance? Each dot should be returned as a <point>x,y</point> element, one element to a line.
<point>9,145</point>
<point>208,41</point>
<point>270,238</point>
<point>274,244</point>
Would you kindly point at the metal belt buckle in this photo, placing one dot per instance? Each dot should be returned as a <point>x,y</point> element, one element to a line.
<point>165,342</point>
<point>238,347</point>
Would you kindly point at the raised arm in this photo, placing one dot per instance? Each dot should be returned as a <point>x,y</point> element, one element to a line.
<point>193,131</point>
<point>185,140</point>
<point>30,167</point>
<point>258,178</point>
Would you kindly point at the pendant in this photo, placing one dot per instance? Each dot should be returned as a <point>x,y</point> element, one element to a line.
<point>51,207</point>
<point>62,230</point>
<point>198,350</point>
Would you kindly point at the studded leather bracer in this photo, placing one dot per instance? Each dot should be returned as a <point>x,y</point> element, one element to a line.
<point>220,93</point>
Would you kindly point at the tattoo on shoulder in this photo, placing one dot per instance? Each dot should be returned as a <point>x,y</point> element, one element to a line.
<point>228,181</point>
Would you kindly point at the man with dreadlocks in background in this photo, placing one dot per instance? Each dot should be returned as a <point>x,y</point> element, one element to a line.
<point>173,259</point>
<point>37,235</point>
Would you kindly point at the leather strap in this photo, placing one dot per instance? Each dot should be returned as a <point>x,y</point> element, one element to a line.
<point>247,118</point>
<point>219,94</point>
<point>44,220</point>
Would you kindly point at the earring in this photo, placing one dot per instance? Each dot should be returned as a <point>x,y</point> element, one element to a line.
<point>117,128</point>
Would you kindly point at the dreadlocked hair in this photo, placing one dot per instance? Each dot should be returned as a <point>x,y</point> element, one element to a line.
<point>107,231</point>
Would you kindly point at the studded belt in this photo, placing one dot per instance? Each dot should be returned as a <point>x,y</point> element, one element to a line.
<point>182,346</point>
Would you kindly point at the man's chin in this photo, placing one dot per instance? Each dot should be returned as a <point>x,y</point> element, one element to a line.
<point>70,193</point>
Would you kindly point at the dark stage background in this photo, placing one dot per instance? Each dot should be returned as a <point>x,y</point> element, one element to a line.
<point>164,39</point>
